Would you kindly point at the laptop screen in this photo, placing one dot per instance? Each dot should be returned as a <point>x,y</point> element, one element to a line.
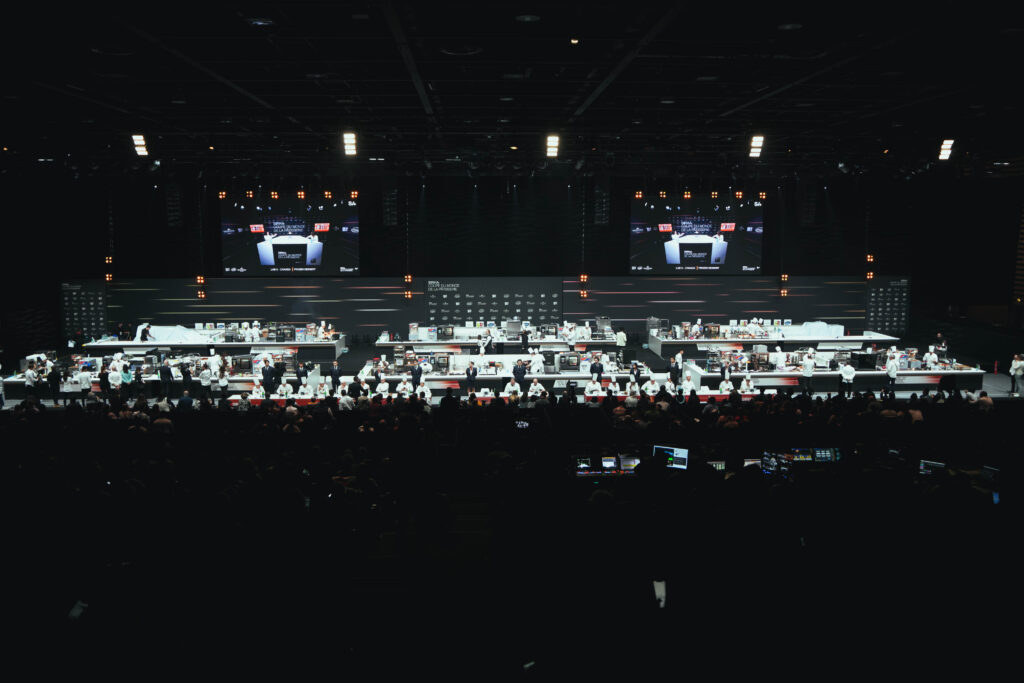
<point>675,458</point>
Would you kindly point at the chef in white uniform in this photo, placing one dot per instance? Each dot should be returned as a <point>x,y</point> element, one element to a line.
<point>931,359</point>
<point>594,388</point>
<point>725,386</point>
<point>847,373</point>
<point>747,385</point>
<point>669,386</point>
<point>257,390</point>
<point>305,391</point>
<point>632,389</point>
<point>513,387</point>
<point>651,387</point>
<point>423,391</point>
<point>382,388</point>
<point>687,385</point>
<point>779,359</point>
<point>404,387</point>
<point>536,362</point>
<point>535,387</point>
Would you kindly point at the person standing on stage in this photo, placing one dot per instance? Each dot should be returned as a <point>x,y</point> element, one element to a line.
<point>524,337</point>
<point>335,373</point>
<point>634,372</point>
<point>941,345</point>
<point>535,389</point>
<point>807,372</point>
<point>597,368</point>
<point>205,380</point>
<point>650,387</point>
<point>1016,373</point>
<point>620,338</point>
<point>931,359</point>
<point>673,371</point>
<point>892,368</point>
<point>114,379</point>
<point>848,372</point>
<point>482,344</point>
<point>222,382</point>
<point>84,382</point>
<point>687,386</point>
<point>186,377</point>
<point>519,372</point>
<point>471,378</point>
<point>536,362</point>
<point>146,334</point>
<point>417,375</point>
<point>747,385</point>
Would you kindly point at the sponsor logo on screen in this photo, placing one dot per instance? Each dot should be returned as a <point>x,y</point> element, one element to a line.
<point>321,227</point>
<point>256,227</point>
<point>727,227</point>
<point>664,227</point>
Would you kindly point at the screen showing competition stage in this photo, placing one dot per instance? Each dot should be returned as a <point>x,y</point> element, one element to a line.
<point>290,236</point>
<point>676,236</point>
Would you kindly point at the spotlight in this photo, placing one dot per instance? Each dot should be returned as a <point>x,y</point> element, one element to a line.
<point>714,195</point>
<point>583,278</point>
<point>108,260</point>
<point>349,140</point>
<point>783,292</point>
<point>108,277</point>
<point>870,275</point>
<point>762,195</point>
<point>870,258</point>
<point>662,194</point>
<point>553,145</point>
<point>200,293</point>
<point>784,277</point>
<point>945,150</point>
<point>756,143</point>
<point>408,279</point>
<point>408,294</point>
<point>222,195</point>
<point>584,294</point>
<point>273,194</point>
<point>739,194</point>
<point>574,41</point>
<point>638,194</point>
<point>328,195</point>
<point>301,194</point>
<point>686,195</point>
<point>354,194</point>
<point>248,194</point>
<point>200,279</point>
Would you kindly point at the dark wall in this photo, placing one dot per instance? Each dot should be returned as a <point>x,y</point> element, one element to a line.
<point>956,235</point>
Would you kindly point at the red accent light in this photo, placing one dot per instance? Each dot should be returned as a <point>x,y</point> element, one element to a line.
<point>727,227</point>
<point>321,227</point>
<point>664,227</point>
<point>255,227</point>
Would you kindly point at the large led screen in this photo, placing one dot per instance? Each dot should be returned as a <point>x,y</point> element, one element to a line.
<point>290,236</point>
<point>674,235</point>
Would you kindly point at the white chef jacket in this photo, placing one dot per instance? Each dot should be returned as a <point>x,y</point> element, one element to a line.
<point>84,380</point>
<point>651,387</point>
<point>513,387</point>
<point>687,386</point>
<point>285,389</point>
<point>404,388</point>
<point>725,386</point>
<point>323,391</point>
<point>423,389</point>
<point>204,378</point>
<point>114,377</point>
<point>747,386</point>
<point>1017,368</point>
<point>848,372</point>
<point>594,389</point>
<point>620,338</point>
<point>537,363</point>
<point>535,389</point>
<point>931,359</point>
<point>382,388</point>
<point>808,366</point>
<point>670,387</point>
<point>258,392</point>
<point>892,367</point>
<point>305,390</point>
<point>632,388</point>
<point>31,378</point>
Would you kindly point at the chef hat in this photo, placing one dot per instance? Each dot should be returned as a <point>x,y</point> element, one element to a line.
<point>931,348</point>
<point>778,348</point>
<point>305,380</point>
<point>530,349</point>
<point>256,381</point>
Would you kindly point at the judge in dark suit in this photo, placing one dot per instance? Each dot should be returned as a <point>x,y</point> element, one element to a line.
<point>674,372</point>
<point>269,379</point>
<point>417,373</point>
<point>301,372</point>
<point>335,373</point>
<point>186,378</point>
<point>634,373</point>
<point>597,369</point>
<point>355,389</point>
<point>524,336</point>
<point>471,377</point>
<point>185,402</point>
<point>519,372</point>
<point>166,378</point>
<point>278,375</point>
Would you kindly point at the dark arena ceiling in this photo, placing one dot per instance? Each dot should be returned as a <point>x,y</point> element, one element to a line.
<point>475,88</point>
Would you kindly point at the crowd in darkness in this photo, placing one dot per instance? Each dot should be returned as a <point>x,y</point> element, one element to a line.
<point>401,525</point>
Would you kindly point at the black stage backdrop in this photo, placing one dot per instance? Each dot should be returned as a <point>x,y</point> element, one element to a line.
<point>366,306</point>
<point>629,301</point>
